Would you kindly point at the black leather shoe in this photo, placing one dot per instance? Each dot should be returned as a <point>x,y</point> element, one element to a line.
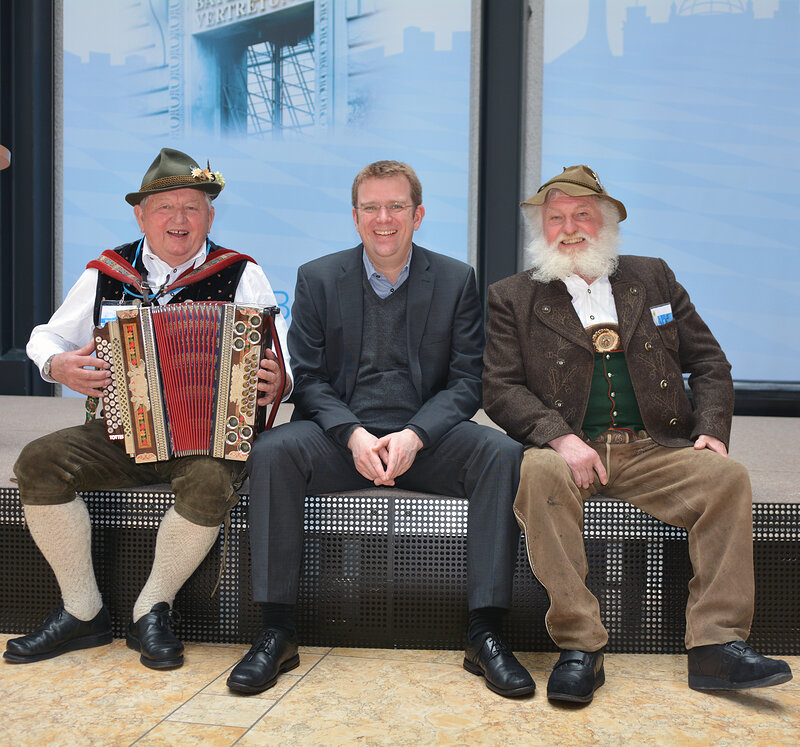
<point>152,635</point>
<point>490,657</point>
<point>576,675</point>
<point>734,666</point>
<point>60,633</point>
<point>272,653</point>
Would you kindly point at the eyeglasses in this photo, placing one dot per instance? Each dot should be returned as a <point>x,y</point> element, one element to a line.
<point>394,208</point>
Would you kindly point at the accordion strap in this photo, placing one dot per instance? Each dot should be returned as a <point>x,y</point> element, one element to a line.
<point>112,264</point>
<point>282,371</point>
<point>215,262</point>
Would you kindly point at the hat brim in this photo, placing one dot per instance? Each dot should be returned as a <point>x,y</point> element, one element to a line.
<point>575,190</point>
<point>211,188</point>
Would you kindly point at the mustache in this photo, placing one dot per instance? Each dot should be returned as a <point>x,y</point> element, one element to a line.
<point>567,236</point>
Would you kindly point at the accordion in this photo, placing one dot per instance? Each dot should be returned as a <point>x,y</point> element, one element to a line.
<point>184,378</point>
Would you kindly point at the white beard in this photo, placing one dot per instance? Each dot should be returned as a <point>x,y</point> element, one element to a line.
<point>598,257</point>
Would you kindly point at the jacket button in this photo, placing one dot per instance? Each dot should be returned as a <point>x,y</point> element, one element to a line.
<point>560,362</point>
<point>673,422</point>
<point>634,291</point>
<point>648,345</point>
<point>545,309</point>
<point>558,403</point>
<point>663,383</point>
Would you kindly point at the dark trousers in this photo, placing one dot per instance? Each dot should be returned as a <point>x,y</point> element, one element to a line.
<point>299,459</point>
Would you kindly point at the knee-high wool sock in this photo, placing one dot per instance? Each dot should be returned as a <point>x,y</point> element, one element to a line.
<point>63,533</point>
<point>180,548</point>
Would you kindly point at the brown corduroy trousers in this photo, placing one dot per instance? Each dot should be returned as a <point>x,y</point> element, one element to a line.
<point>707,494</point>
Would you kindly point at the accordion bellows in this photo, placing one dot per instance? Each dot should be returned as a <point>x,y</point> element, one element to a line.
<point>184,378</point>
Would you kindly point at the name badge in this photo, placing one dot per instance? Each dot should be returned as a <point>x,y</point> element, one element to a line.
<point>661,314</point>
<point>109,309</point>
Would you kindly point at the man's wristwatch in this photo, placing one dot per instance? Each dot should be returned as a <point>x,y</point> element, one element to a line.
<point>46,366</point>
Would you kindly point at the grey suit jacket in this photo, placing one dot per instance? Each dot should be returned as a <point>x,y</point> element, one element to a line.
<point>539,360</point>
<point>445,339</point>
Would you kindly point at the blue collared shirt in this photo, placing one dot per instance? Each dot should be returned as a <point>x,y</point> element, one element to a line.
<point>382,287</point>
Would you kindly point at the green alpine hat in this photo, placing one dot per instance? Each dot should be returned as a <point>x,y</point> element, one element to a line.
<point>175,170</point>
<point>576,181</point>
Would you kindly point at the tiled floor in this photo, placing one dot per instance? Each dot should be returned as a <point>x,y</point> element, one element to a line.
<point>104,696</point>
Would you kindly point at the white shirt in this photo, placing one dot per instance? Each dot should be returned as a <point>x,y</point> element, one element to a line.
<point>72,325</point>
<point>594,303</point>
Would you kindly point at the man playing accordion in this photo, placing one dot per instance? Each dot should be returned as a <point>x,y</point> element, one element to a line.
<point>174,211</point>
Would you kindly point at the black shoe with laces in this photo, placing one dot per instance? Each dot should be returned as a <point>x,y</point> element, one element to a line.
<point>58,634</point>
<point>273,652</point>
<point>152,635</point>
<point>489,656</point>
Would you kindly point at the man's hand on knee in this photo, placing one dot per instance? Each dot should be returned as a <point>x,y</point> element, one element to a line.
<point>365,449</point>
<point>709,442</point>
<point>398,451</point>
<point>581,458</point>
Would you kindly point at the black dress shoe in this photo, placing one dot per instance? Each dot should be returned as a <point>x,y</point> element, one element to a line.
<point>272,653</point>
<point>734,666</point>
<point>152,635</point>
<point>60,633</point>
<point>576,675</point>
<point>490,657</point>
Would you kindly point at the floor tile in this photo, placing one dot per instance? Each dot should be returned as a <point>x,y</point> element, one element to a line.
<point>222,710</point>
<point>178,734</point>
<point>401,654</point>
<point>104,696</point>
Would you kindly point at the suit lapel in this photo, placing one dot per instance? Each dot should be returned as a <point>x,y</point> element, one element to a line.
<point>350,295</point>
<point>555,310</point>
<point>420,294</point>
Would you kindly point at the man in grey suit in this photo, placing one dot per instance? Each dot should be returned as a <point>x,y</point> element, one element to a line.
<point>386,343</point>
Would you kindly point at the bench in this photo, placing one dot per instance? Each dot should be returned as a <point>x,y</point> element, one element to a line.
<point>387,568</point>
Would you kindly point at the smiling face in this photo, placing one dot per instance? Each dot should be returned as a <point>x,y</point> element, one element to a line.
<point>570,222</point>
<point>386,234</point>
<point>175,223</point>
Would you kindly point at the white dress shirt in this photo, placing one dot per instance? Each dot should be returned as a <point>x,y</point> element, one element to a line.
<point>594,303</point>
<point>72,325</point>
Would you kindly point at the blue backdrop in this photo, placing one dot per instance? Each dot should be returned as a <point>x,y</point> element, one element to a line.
<point>688,112</point>
<point>385,81</point>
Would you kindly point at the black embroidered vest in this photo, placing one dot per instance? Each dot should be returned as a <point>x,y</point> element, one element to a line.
<point>219,287</point>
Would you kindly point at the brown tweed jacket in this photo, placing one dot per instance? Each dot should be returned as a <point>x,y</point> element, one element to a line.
<point>538,360</point>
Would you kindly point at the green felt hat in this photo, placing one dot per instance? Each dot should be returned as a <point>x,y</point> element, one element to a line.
<point>175,170</point>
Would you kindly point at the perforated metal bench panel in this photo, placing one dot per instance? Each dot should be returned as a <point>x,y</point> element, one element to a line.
<point>388,569</point>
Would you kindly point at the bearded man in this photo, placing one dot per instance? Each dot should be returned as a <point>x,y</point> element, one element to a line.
<point>584,366</point>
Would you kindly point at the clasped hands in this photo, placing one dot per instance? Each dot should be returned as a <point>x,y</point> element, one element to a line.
<point>381,460</point>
